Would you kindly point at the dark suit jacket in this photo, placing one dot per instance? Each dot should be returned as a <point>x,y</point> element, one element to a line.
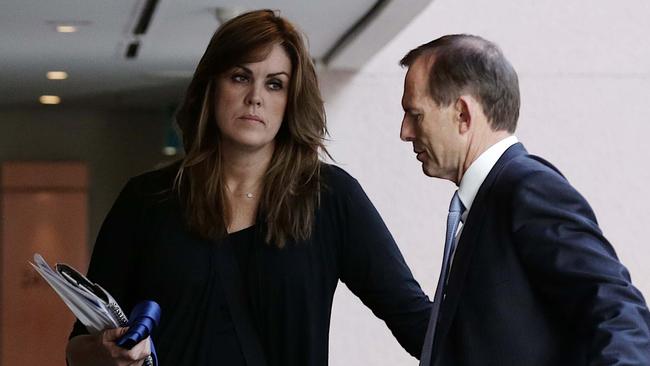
<point>534,282</point>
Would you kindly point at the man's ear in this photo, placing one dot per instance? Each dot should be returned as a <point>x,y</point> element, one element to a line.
<point>463,113</point>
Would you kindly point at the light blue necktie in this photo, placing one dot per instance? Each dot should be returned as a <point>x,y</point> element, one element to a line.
<point>453,218</point>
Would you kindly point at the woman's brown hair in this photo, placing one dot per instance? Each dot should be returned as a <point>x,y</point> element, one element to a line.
<point>292,182</point>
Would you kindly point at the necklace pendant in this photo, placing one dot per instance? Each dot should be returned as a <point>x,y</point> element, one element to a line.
<point>249,195</point>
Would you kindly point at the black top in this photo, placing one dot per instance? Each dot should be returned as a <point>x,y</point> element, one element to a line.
<point>240,301</point>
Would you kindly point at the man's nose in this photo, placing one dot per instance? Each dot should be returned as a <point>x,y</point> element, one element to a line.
<point>406,132</point>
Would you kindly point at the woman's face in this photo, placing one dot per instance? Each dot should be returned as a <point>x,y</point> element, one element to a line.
<point>251,100</point>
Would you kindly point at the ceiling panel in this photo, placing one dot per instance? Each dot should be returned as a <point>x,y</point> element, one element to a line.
<point>168,52</point>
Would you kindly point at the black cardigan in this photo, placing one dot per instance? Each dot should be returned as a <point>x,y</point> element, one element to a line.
<point>258,304</point>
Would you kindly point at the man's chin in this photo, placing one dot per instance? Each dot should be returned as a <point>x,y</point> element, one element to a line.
<point>427,172</point>
<point>433,171</point>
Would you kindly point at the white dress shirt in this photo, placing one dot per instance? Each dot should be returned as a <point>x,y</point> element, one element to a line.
<point>474,177</point>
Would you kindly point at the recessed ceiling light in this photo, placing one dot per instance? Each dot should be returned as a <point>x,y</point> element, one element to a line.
<point>57,75</point>
<point>68,25</point>
<point>49,99</point>
<point>66,28</point>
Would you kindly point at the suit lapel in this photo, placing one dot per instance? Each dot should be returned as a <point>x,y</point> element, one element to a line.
<point>466,245</point>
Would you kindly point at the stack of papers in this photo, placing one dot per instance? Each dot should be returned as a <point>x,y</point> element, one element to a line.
<point>90,303</point>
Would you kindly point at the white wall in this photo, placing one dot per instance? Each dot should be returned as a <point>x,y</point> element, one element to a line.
<point>584,73</point>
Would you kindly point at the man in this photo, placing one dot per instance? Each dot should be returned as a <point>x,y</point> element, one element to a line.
<point>531,281</point>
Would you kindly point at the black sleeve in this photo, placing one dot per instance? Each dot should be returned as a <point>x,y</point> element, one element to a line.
<point>576,269</point>
<point>373,268</point>
<point>114,254</point>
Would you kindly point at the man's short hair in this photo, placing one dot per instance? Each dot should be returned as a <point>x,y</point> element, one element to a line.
<point>468,64</point>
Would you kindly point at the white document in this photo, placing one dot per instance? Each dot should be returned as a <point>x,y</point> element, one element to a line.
<point>90,303</point>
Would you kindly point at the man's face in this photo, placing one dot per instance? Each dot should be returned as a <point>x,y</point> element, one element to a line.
<point>433,130</point>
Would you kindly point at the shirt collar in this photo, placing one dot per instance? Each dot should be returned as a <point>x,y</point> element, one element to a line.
<point>479,170</point>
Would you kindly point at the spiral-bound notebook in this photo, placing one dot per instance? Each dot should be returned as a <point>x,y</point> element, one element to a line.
<point>89,302</point>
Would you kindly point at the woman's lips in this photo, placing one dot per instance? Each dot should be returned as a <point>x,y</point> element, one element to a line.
<point>250,117</point>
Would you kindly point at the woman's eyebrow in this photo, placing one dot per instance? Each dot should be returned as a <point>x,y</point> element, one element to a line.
<point>250,72</point>
<point>278,73</point>
<point>246,69</point>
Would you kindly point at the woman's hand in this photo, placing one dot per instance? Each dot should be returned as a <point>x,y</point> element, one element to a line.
<point>100,350</point>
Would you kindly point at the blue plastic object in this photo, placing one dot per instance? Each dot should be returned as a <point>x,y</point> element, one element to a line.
<point>145,316</point>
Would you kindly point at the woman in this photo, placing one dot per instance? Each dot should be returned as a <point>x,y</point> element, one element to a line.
<point>243,242</point>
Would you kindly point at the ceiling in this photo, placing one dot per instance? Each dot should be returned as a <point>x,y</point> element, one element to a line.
<point>342,34</point>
